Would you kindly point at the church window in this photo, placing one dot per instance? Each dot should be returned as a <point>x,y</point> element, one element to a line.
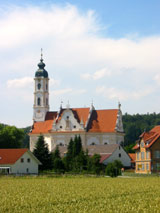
<point>67,117</point>
<point>39,86</point>
<point>46,86</point>
<point>39,102</point>
<point>27,170</point>
<point>92,143</point>
<point>61,127</point>
<point>46,101</point>
<point>74,126</point>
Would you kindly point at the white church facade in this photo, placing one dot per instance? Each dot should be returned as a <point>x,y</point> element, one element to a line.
<point>96,127</point>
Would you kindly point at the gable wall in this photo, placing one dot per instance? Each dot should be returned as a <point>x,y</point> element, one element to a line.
<point>125,159</point>
<point>21,168</point>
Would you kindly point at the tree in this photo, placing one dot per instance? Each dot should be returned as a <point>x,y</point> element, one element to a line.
<point>57,162</point>
<point>10,137</point>
<point>95,164</point>
<point>114,169</point>
<point>42,153</point>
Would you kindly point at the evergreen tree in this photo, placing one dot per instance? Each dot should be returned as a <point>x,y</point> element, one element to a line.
<point>42,153</point>
<point>57,161</point>
<point>96,166</point>
<point>114,169</point>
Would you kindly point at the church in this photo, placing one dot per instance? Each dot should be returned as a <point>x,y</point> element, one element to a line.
<point>95,126</point>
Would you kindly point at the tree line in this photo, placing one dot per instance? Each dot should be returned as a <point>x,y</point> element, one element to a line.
<point>76,160</point>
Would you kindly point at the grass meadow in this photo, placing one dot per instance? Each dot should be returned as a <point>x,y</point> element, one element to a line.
<point>79,194</point>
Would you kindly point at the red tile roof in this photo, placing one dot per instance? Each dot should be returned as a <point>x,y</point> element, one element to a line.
<point>10,156</point>
<point>149,138</point>
<point>104,157</point>
<point>132,157</point>
<point>100,121</point>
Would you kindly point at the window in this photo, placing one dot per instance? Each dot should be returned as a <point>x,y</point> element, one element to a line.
<point>67,117</point>
<point>46,101</point>
<point>158,166</point>
<point>39,102</point>
<point>39,86</point>
<point>142,166</point>
<point>142,155</point>
<point>105,143</point>
<point>74,126</point>
<point>22,160</point>
<point>27,170</point>
<point>60,127</point>
<point>46,86</point>
<point>147,155</point>
<point>137,155</point>
<point>142,144</point>
<point>157,154</point>
<point>92,143</point>
<point>28,160</point>
<point>119,155</point>
<point>147,166</point>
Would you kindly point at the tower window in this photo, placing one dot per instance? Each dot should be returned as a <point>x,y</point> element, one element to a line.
<point>39,102</point>
<point>46,101</point>
<point>39,86</point>
<point>46,86</point>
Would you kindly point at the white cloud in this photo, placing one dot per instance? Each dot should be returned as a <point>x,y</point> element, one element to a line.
<point>20,82</point>
<point>121,94</point>
<point>96,75</point>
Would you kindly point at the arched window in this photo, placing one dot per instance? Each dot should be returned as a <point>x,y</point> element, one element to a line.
<point>39,102</point>
<point>46,86</point>
<point>46,101</point>
<point>39,86</point>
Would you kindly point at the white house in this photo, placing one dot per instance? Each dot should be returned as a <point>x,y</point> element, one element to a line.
<point>18,161</point>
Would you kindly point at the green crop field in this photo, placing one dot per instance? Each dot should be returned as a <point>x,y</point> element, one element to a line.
<point>79,194</point>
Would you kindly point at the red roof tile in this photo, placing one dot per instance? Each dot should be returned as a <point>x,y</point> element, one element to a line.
<point>149,137</point>
<point>104,157</point>
<point>100,121</point>
<point>132,157</point>
<point>10,156</point>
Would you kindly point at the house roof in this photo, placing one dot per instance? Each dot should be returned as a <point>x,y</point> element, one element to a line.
<point>104,150</point>
<point>100,120</point>
<point>10,156</point>
<point>132,157</point>
<point>149,138</point>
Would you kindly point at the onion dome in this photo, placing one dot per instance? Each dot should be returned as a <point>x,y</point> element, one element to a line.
<point>41,72</point>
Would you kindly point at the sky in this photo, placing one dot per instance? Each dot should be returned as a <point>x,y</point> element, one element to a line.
<point>95,51</point>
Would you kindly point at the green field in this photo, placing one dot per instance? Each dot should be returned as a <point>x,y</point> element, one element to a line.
<point>79,194</point>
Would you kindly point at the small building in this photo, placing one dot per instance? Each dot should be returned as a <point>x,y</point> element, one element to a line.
<point>148,152</point>
<point>18,161</point>
<point>108,153</point>
<point>133,158</point>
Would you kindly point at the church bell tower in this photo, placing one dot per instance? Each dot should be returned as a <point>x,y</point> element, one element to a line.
<point>41,94</point>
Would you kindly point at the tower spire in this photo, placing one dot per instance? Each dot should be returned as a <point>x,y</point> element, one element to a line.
<point>41,54</point>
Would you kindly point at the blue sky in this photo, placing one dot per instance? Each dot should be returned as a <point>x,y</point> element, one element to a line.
<point>106,51</point>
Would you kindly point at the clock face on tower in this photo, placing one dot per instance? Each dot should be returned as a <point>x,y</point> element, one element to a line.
<point>39,114</point>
